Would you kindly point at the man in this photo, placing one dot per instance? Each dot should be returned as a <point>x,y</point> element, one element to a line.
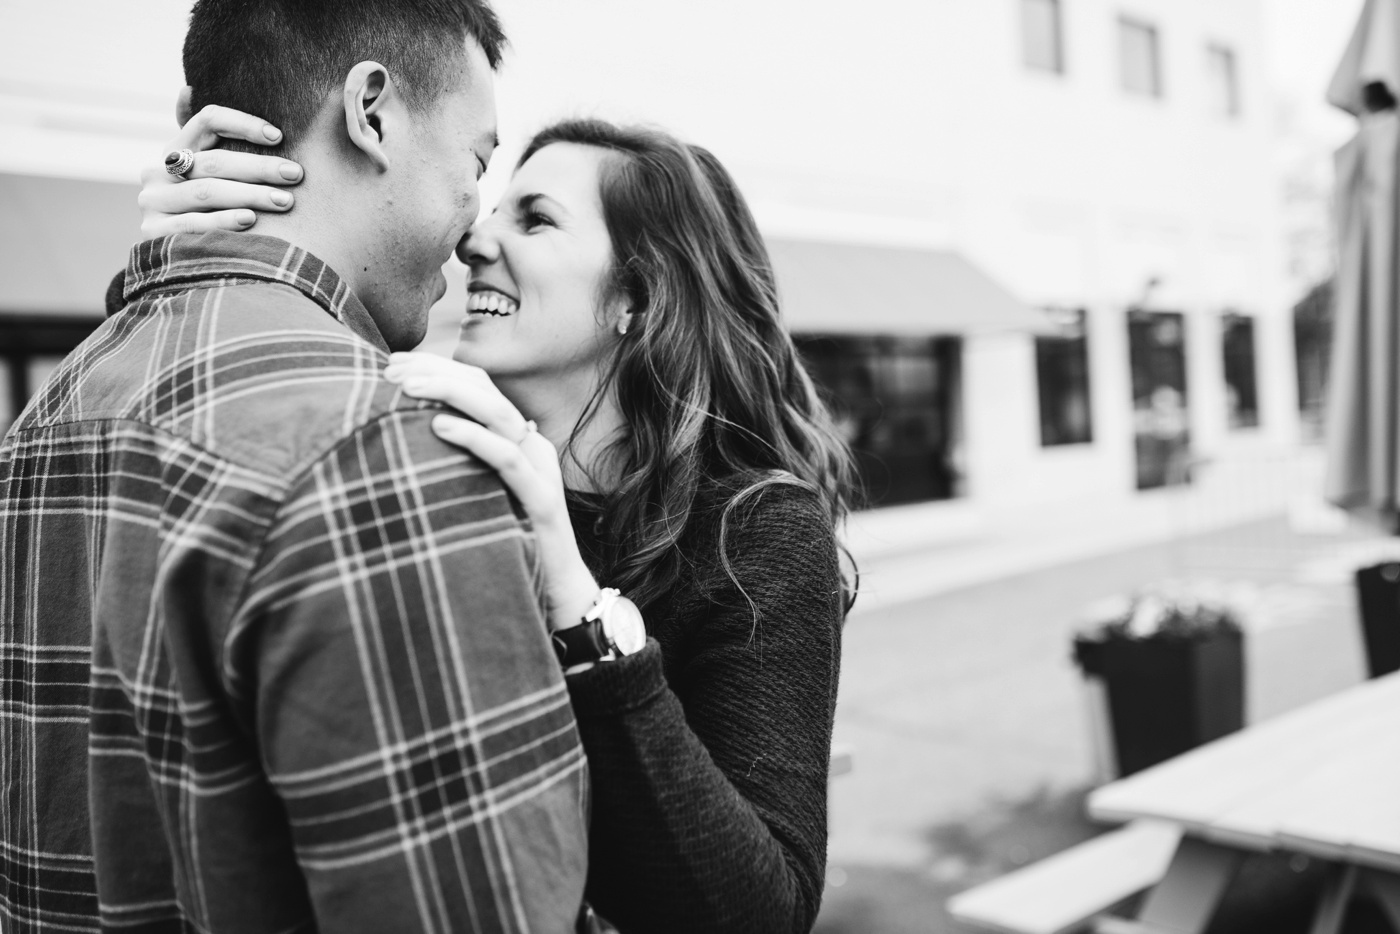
<point>273,656</point>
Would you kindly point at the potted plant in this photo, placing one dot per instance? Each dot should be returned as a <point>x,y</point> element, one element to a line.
<point>1172,667</point>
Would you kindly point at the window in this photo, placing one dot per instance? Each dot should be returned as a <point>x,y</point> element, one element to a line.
<point>1241,384</point>
<point>1062,373</point>
<point>31,347</point>
<point>896,401</point>
<point>1224,81</point>
<point>1312,342</point>
<point>1042,35</point>
<point>1161,413</point>
<point>1139,57</point>
<point>9,409</point>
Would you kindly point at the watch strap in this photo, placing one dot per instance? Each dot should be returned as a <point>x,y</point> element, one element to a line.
<point>578,645</point>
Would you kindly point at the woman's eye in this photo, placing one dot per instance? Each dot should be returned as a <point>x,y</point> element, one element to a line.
<point>532,219</point>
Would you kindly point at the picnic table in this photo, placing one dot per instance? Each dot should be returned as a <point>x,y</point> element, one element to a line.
<point>1322,781</point>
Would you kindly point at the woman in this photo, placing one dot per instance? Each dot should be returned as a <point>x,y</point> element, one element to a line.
<point>651,415</point>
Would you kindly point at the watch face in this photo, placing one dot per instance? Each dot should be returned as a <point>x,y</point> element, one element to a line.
<point>624,626</point>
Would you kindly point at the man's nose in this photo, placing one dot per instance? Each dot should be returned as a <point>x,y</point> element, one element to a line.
<point>479,246</point>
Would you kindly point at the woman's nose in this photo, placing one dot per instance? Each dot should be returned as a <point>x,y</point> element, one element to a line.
<point>479,246</point>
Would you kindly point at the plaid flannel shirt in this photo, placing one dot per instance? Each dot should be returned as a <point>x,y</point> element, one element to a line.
<point>272,656</point>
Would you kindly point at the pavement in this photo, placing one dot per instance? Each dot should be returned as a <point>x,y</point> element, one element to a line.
<point>970,726</point>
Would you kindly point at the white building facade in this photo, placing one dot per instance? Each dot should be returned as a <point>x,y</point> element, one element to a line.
<point>1059,217</point>
<point>1112,160</point>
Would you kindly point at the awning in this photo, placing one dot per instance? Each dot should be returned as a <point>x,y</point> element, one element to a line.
<point>835,288</point>
<point>61,240</point>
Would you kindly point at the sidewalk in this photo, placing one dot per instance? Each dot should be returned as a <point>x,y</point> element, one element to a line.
<point>1050,534</point>
<point>967,718</point>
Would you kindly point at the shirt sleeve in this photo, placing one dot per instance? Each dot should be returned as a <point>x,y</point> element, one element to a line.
<point>710,770</point>
<point>390,657</point>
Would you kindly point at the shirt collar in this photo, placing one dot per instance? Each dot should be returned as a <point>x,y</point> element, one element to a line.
<point>188,259</point>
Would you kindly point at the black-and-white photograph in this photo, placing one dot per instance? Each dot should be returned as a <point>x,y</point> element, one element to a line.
<point>743,467</point>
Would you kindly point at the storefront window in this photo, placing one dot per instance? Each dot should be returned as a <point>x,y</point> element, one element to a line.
<point>1312,342</point>
<point>897,401</point>
<point>1062,375</point>
<point>1241,383</point>
<point>8,409</point>
<point>31,347</point>
<point>1161,423</point>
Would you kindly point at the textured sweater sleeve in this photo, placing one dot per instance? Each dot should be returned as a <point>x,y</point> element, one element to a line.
<point>709,810</point>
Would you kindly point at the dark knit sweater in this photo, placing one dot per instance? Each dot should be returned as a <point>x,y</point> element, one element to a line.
<point>709,748</point>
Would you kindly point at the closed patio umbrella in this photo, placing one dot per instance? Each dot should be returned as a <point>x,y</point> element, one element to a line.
<point>1363,412</point>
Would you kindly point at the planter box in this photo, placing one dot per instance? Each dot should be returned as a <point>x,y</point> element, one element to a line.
<point>1378,592</point>
<point>1167,693</point>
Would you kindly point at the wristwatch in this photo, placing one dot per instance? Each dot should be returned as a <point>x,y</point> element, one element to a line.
<point>611,629</point>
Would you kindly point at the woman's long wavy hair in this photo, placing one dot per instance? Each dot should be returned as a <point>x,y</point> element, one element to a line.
<point>715,401</point>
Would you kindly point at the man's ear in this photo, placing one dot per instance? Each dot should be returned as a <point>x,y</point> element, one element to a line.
<point>369,92</point>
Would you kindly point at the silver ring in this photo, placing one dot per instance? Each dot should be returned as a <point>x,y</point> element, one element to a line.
<point>179,162</point>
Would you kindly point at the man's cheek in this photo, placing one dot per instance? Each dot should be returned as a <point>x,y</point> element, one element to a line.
<point>470,206</point>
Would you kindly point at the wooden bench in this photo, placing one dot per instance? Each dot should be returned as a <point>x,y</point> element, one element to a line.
<point>1067,891</point>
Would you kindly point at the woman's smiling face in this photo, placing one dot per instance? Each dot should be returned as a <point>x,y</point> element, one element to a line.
<point>539,264</point>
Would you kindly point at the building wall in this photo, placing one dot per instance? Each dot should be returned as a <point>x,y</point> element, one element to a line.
<point>888,122</point>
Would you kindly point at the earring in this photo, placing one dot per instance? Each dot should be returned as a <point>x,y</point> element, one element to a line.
<point>622,325</point>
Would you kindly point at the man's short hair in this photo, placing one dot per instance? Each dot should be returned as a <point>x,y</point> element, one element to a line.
<point>279,59</point>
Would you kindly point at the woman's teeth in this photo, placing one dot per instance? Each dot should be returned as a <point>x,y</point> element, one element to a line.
<point>491,303</point>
